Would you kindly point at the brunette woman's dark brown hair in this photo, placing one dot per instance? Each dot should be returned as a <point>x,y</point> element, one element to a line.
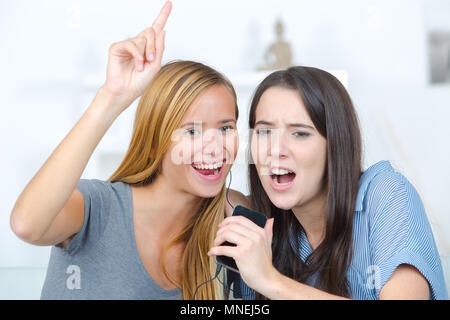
<point>331,110</point>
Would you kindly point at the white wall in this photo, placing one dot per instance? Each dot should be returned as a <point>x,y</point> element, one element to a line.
<point>50,49</point>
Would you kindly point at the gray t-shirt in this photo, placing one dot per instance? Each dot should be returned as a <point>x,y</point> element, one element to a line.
<point>102,260</point>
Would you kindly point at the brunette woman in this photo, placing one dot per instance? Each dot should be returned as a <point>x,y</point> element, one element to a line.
<point>334,231</point>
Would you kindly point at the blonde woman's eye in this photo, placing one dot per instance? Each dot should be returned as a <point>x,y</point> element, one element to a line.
<point>226,128</point>
<point>192,132</point>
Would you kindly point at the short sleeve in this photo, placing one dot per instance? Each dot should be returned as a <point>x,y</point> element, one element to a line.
<point>97,203</point>
<point>401,234</point>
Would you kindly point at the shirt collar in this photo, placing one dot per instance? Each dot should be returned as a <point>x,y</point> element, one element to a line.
<point>300,241</point>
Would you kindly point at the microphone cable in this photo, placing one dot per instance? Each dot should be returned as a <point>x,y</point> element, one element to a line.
<point>219,267</point>
<point>229,184</point>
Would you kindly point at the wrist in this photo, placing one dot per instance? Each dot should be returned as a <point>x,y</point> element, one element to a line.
<point>118,97</point>
<point>107,105</point>
<point>271,286</point>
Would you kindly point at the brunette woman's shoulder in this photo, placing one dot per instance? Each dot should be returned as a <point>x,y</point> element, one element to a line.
<point>236,198</point>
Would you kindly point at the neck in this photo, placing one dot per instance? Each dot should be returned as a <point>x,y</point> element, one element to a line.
<point>313,218</point>
<point>166,210</point>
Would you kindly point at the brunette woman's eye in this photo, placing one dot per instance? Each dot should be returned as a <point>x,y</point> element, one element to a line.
<point>301,134</point>
<point>263,132</point>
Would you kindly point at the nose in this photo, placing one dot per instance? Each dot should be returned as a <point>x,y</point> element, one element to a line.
<point>212,143</point>
<point>278,148</point>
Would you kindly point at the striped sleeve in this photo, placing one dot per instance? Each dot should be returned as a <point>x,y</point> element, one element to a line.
<point>401,234</point>
<point>247,293</point>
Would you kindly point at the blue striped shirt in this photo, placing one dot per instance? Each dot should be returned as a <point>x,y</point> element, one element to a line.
<point>390,228</point>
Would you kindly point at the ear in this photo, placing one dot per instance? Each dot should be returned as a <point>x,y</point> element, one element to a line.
<point>269,229</point>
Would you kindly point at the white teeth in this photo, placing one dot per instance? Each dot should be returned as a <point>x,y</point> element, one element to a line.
<point>208,166</point>
<point>279,171</point>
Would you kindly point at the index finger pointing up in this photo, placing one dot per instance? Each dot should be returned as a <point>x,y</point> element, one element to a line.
<point>161,20</point>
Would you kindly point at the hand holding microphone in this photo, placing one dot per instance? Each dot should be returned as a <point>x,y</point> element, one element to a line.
<point>252,252</point>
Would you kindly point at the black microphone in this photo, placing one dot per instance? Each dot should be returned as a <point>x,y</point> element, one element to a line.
<point>258,218</point>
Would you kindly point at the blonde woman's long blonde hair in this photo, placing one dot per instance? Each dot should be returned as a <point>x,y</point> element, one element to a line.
<point>159,113</point>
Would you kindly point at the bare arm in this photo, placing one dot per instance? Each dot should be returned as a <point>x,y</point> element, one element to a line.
<point>406,283</point>
<point>48,192</point>
<point>50,210</point>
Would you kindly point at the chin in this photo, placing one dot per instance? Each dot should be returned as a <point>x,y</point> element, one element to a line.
<point>206,192</point>
<point>283,202</point>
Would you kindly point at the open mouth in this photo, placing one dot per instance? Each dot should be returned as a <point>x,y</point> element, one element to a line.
<point>282,177</point>
<point>209,170</point>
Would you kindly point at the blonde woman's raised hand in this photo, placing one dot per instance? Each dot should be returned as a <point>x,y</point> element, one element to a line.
<point>133,63</point>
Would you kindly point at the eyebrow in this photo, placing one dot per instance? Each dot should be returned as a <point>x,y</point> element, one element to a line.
<point>227,120</point>
<point>199,123</point>
<point>295,125</point>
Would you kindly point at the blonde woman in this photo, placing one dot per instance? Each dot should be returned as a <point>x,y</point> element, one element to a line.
<point>144,233</point>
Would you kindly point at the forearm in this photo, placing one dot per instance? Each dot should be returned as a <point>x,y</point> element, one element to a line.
<point>48,191</point>
<point>281,287</point>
